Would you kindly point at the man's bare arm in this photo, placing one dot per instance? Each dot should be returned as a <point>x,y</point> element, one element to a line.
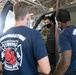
<point>44,65</point>
<point>64,62</point>
<point>1,68</point>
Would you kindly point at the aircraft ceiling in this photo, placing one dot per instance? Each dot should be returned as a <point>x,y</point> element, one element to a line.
<point>39,6</point>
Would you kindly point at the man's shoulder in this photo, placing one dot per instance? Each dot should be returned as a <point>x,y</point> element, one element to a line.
<point>33,31</point>
<point>69,30</point>
<point>45,29</point>
<point>2,35</point>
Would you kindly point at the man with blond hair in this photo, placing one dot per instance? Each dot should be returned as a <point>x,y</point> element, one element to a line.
<point>22,49</point>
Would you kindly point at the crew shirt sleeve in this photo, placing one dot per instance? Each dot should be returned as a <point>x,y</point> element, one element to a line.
<point>39,47</point>
<point>64,42</point>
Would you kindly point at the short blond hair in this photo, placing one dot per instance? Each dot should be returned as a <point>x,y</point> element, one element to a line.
<point>21,9</point>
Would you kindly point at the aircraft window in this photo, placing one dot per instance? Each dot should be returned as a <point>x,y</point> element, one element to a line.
<point>10,21</point>
<point>30,23</point>
<point>40,25</point>
<point>0,19</point>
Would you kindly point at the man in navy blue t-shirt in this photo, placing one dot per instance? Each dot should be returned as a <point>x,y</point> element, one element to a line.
<point>22,49</point>
<point>66,44</point>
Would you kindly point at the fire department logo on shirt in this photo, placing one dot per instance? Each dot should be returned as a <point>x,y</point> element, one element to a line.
<point>11,54</point>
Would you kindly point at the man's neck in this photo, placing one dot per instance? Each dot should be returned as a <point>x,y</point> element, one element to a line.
<point>68,23</point>
<point>20,23</point>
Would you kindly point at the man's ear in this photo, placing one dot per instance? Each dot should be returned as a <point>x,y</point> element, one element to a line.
<point>28,16</point>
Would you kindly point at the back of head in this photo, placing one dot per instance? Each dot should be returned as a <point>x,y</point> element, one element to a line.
<point>63,16</point>
<point>21,9</point>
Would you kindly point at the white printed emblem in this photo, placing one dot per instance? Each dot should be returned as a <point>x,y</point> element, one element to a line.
<point>11,55</point>
<point>74,32</point>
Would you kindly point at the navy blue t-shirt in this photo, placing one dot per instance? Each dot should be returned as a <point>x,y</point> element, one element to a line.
<point>67,41</point>
<point>20,49</point>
